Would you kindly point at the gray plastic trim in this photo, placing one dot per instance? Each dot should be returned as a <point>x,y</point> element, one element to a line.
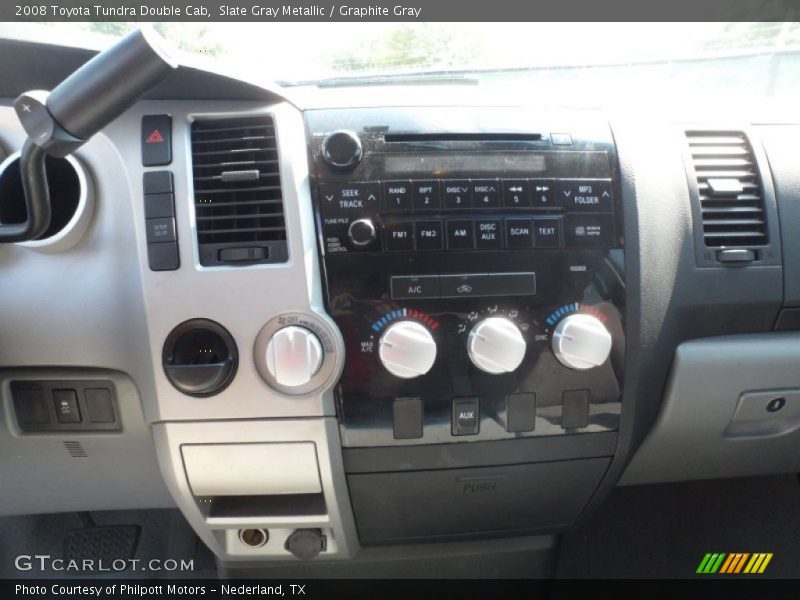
<point>242,299</point>
<point>75,228</point>
<point>692,438</point>
<point>118,472</point>
<point>221,533</point>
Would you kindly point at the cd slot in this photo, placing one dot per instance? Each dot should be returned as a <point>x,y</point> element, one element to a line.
<point>461,137</point>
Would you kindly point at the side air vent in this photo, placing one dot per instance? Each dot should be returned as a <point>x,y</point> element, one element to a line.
<point>730,190</point>
<point>237,191</point>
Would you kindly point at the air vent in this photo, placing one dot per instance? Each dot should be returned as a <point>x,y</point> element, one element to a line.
<point>237,191</point>
<point>730,189</point>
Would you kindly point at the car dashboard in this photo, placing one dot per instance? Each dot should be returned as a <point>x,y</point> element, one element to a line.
<point>336,322</point>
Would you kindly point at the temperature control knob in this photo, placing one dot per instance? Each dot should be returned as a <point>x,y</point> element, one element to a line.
<point>407,349</point>
<point>294,355</point>
<point>581,342</point>
<point>495,345</point>
<point>341,149</point>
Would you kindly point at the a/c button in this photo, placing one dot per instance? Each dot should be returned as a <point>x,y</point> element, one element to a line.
<point>423,286</point>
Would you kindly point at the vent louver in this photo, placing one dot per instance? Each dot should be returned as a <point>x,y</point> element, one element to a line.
<point>730,189</point>
<point>237,191</point>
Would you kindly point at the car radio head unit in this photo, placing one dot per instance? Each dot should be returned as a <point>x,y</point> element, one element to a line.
<point>477,277</point>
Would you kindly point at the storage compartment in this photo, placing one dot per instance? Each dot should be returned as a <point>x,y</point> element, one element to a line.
<point>444,503</point>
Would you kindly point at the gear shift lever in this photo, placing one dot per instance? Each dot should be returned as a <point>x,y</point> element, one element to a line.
<point>60,122</point>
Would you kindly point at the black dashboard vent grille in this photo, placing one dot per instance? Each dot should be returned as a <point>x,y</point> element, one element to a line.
<point>237,191</point>
<point>730,189</point>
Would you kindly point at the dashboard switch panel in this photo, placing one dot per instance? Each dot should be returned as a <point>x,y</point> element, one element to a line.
<point>159,213</point>
<point>75,405</point>
<point>488,253</point>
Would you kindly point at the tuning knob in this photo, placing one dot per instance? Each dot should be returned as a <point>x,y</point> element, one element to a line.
<point>581,342</point>
<point>341,149</point>
<point>361,233</point>
<point>407,349</point>
<point>294,355</point>
<point>495,345</point>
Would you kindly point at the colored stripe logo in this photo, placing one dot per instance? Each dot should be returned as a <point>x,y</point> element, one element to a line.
<point>734,563</point>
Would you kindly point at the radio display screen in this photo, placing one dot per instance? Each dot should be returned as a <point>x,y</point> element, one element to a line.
<point>504,163</point>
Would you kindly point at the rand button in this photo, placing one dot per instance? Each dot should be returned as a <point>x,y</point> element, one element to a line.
<point>397,196</point>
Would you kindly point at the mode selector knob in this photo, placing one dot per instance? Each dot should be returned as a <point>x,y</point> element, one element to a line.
<point>341,149</point>
<point>581,342</point>
<point>407,349</point>
<point>294,355</point>
<point>495,345</point>
<point>361,233</point>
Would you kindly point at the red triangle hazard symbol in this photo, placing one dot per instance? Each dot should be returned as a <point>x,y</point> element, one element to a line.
<point>155,137</point>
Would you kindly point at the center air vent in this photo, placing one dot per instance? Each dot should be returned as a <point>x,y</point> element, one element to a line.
<point>730,189</point>
<point>237,191</point>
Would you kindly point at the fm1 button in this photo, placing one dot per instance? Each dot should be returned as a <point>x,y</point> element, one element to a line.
<point>399,236</point>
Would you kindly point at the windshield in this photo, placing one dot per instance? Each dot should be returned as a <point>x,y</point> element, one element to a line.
<point>588,64</point>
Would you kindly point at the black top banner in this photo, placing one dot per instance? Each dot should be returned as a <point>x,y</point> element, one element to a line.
<point>400,10</point>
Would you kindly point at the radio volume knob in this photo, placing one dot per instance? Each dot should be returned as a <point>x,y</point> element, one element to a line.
<point>294,355</point>
<point>581,342</point>
<point>341,149</point>
<point>361,233</point>
<point>495,345</point>
<point>407,349</point>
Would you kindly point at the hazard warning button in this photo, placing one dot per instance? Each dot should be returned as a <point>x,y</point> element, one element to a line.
<point>156,140</point>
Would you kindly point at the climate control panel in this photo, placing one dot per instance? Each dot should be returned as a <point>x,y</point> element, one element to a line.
<point>477,277</point>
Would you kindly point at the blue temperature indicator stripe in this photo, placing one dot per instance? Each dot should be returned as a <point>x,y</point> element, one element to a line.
<point>564,310</point>
<point>388,318</point>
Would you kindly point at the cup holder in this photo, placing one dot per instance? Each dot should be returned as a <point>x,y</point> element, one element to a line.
<point>71,201</point>
<point>200,357</point>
